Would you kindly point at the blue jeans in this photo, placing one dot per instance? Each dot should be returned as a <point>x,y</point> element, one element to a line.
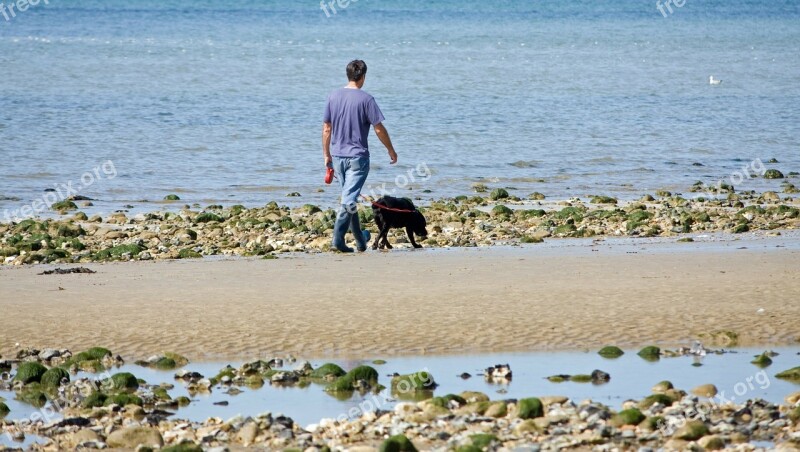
<point>352,174</point>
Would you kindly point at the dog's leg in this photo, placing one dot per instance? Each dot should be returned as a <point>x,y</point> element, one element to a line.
<point>379,224</point>
<point>380,240</point>
<point>384,237</point>
<point>410,235</point>
<point>386,243</point>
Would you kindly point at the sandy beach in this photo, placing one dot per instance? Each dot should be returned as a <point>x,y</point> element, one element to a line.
<point>578,296</point>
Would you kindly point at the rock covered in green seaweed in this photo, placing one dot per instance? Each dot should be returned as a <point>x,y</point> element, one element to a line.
<point>54,377</point>
<point>792,374</point>
<point>650,353</point>
<point>530,408</point>
<point>414,382</point>
<point>397,443</point>
<point>360,378</point>
<point>30,372</point>
<point>630,416</point>
<point>611,351</point>
<point>328,371</point>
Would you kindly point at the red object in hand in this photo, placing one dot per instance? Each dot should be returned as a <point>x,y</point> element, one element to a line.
<point>329,176</point>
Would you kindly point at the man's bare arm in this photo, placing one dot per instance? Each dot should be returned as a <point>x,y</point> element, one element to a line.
<point>326,143</point>
<point>383,135</point>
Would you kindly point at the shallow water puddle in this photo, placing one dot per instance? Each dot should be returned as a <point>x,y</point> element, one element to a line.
<point>631,378</point>
<point>6,441</point>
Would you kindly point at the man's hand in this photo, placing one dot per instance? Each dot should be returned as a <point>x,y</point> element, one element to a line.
<point>328,161</point>
<point>383,135</point>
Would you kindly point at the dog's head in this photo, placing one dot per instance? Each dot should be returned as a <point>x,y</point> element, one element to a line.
<point>419,224</point>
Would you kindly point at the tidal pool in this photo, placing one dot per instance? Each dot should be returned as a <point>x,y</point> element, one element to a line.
<point>631,378</point>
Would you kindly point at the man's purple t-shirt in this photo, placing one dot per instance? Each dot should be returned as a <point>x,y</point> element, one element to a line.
<point>351,112</point>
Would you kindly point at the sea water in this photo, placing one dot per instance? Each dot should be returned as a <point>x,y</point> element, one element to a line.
<point>222,102</point>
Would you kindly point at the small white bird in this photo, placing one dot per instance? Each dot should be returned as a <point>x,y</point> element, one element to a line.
<point>713,81</point>
<point>698,349</point>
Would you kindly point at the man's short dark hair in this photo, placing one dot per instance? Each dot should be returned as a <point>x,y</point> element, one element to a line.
<point>356,70</point>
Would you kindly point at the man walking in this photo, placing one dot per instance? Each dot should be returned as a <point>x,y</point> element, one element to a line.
<point>349,113</point>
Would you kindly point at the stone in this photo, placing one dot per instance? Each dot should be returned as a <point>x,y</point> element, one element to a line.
<point>496,409</point>
<point>83,435</point>
<point>188,253</point>
<point>349,381</point>
<point>773,174</point>
<point>94,400</point>
<point>552,400</point>
<point>603,200</point>
<point>794,415</point>
<point>501,211</point>
<point>247,434</point>
<point>397,443</point>
<point>691,431</point>
<point>662,387</point>
<point>418,381</point>
<point>762,360</point>
<point>208,217</point>
<point>404,408</point>
<point>650,353</point>
<point>651,400</point>
<point>598,376</point>
<point>712,442</point>
<point>48,354</point>
<point>706,390</point>
<point>93,353</point>
<point>611,351</point>
<point>498,193</point>
<point>631,416</point>
<point>527,426</point>
<point>327,370</point>
<point>676,445</point>
<point>64,205</point>
<point>30,372</point>
<point>124,381</point>
<point>54,377</point>
<point>135,436</point>
<point>793,398</point>
<point>483,441</point>
<point>792,374</point>
<point>448,401</point>
<point>473,408</point>
<point>530,408</point>
<point>474,396</point>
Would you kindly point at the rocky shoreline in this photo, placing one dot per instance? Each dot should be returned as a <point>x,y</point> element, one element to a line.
<point>117,410</point>
<point>486,219</point>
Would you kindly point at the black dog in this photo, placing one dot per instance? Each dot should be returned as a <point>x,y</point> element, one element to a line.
<point>397,213</point>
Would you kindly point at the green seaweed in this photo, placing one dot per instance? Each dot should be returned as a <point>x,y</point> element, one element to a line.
<point>530,408</point>
<point>347,382</point>
<point>30,372</point>
<point>611,351</point>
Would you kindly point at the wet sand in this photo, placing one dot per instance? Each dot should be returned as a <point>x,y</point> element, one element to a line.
<point>580,296</point>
